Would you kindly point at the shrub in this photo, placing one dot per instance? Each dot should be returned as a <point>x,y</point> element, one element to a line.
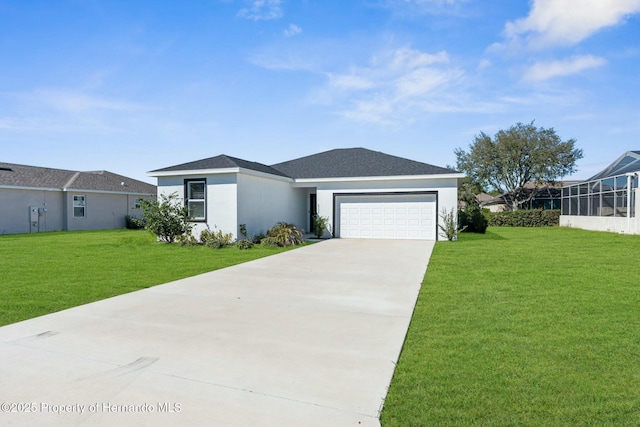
<point>320,224</point>
<point>215,239</point>
<point>244,244</point>
<point>187,240</point>
<point>133,223</point>
<point>167,219</point>
<point>286,234</point>
<point>525,218</point>
<point>257,239</point>
<point>449,225</point>
<point>269,241</point>
<point>472,220</point>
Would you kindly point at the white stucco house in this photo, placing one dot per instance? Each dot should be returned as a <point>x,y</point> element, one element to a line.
<point>36,199</point>
<point>364,193</point>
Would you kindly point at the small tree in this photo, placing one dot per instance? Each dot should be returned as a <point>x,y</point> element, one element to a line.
<point>449,224</point>
<point>522,154</point>
<point>167,219</point>
<point>320,224</point>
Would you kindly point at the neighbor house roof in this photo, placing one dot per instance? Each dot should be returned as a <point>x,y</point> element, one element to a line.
<point>15,175</point>
<point>221,162</point>
<point>355,162</point>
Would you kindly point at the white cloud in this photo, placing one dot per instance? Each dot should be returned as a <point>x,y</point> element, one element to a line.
<point>394,83</point>
<point>550,69</point>
<point>65,110</point>
<point>566,23</point>
<point>411,7</point>
<point>262,10</point>
<point>349,82</point>
<point>77,102</point>
<point>292,30</point>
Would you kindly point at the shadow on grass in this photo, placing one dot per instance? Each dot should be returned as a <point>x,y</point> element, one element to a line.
<point>488,235</point>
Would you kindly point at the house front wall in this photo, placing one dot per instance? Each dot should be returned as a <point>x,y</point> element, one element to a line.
<point>445,189</point>
<point>102,210</point>
<point>41,210</point>
<point>264,201</point>
<point>16,216</point>
<point>221,200</point>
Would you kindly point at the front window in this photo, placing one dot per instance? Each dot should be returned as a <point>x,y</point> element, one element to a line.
<point>79,206</point>
<point>196,199</point>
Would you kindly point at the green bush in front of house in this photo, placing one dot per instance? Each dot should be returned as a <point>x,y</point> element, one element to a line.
<point>168,218</point>
<point>284,234</point>
<point>472,220</point>
<point>524,218</point>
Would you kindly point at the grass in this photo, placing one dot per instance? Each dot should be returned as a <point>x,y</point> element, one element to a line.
<point>44,273</point>
<point>524,327</point>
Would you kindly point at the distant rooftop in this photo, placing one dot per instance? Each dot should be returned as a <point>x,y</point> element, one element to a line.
<point>15,175</point>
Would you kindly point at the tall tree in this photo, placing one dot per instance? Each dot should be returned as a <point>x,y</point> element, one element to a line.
<point>523,154</point>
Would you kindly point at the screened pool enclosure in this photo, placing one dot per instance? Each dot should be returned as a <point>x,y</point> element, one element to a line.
<point>606,199</point>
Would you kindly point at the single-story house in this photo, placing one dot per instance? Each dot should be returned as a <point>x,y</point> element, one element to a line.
<point>608,201</point>
<point>547,196</point>
<point>36,199</point>
<point>363,193</point>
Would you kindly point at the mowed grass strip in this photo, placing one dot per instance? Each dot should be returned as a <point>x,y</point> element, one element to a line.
<point>49,272</point>
<point>524,327</point>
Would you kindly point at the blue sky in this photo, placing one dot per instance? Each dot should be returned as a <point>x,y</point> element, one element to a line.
<point>131,86</point>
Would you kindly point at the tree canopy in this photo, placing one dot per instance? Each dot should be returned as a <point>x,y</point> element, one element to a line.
<point>521,155</point>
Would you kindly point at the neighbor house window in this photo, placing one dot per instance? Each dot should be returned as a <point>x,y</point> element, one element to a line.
<point>79,206</point>
<point>197,199</point>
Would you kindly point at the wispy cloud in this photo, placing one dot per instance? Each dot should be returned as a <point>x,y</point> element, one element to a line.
<point>424,6</point>
<point>550,69</point>
<point>262,10</point>
<point>566,23</point>
<point>394,83</point>
<point>76,102</point>
<point>61,110</point>
<point>292,30</point>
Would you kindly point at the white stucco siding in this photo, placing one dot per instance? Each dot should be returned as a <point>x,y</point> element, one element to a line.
<point>620,225</point>
<point>601,223</point>
<point>15,215</point>
<point>265,201</point>
<point>445,188</point>
<point>221,197</point>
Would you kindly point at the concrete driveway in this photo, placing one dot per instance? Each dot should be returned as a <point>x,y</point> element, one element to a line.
<point>308,337</point>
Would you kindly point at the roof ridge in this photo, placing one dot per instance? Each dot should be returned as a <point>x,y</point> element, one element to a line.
<point>71,180</point>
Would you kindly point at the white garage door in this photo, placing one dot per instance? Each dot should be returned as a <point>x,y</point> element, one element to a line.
<point>397,216</point>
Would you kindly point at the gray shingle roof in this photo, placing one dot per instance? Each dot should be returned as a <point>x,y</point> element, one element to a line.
<point>355,162</point>
<point>15,175</point>
<point>338,163</point>
<point>221,162</point>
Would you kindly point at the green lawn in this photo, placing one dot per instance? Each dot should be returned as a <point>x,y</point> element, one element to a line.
<point>524,327</point>
<point>44,273</point>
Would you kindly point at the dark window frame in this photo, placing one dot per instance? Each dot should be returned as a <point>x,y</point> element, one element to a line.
<point>187,199</point>
<point>84,205</point>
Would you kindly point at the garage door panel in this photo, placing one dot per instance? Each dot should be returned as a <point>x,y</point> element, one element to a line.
<point>402,216</point>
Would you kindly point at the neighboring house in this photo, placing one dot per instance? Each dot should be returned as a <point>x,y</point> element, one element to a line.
<point>364,193</point>
<point>35,199</point>
<point>546,197</point>
<point>608,201</point>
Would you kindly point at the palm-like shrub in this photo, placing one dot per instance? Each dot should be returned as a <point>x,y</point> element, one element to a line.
<point>285,234</point>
